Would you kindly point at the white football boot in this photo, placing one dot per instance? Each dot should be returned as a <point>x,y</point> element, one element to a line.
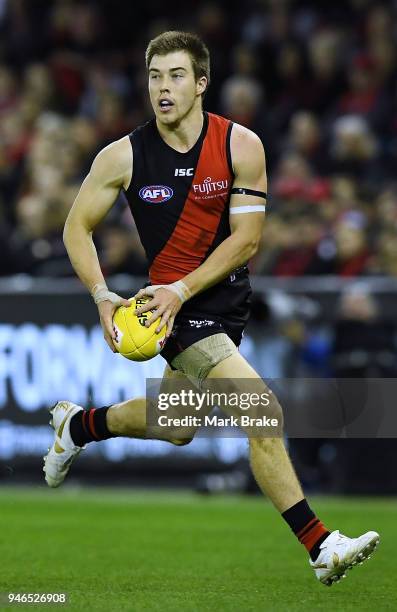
<point>63,452</point>
<point>339,553</point>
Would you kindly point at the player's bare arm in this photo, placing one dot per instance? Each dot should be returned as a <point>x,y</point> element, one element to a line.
<point>246,229</point>
<point>246,224</point>
<point>110,172</point>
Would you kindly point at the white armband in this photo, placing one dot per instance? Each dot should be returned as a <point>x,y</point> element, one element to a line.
<point>236,210</point>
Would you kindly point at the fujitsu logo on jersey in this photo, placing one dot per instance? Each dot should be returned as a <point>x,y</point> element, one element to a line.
<point>156,194</point>
<point>208,186</point>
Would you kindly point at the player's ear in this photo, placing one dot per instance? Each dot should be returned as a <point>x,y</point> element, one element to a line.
<point>201,85</point>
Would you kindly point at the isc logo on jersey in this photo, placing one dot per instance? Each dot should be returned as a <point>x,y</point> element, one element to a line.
<point>184,171</point>
<point>156,194</point>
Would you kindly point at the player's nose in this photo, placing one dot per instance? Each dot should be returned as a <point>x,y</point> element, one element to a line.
<point>165,84</point>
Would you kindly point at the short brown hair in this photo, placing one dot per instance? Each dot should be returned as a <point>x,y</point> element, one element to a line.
<point>171,41</point>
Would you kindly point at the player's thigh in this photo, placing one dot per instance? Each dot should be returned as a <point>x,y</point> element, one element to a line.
<point>251,396</point>
<point>202,356</point>
<point>234,366</point>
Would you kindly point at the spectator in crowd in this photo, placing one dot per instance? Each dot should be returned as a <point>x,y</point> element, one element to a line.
<point>305,138</point>
<point>355,151</point>
<point>364,342</point>
<point>363,352</point>
<point>326,49</point>
<point>317,85</point>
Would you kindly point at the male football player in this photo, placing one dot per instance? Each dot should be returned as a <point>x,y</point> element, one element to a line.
<point>196,185</point>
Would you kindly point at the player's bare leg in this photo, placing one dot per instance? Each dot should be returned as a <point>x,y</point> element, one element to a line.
<point>331,553</point>
<point>269,459</point>
<point>75,427</point>
<point>129,418</point>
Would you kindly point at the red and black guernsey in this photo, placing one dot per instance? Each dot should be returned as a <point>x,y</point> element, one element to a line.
<point>180,204</point>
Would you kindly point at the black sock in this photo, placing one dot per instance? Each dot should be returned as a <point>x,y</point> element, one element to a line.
<point>90,426</point>
<point>309,530</point>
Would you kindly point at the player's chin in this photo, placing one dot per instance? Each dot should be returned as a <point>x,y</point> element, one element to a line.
<point>169,118</point>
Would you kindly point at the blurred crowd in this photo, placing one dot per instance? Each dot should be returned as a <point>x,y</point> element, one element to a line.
<point>316,81</point>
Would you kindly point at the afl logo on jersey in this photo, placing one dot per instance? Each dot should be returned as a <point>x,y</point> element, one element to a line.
<point>156,194</point>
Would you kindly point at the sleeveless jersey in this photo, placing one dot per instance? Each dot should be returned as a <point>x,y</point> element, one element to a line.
<point>180,204</point>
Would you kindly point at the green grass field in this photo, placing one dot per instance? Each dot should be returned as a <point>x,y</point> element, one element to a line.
<point>116,550</point>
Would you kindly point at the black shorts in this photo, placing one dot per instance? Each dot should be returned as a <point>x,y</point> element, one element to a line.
<point>223,308</point>
<point>190,328</point>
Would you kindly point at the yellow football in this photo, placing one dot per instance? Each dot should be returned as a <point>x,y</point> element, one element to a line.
<point>134,340</point>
